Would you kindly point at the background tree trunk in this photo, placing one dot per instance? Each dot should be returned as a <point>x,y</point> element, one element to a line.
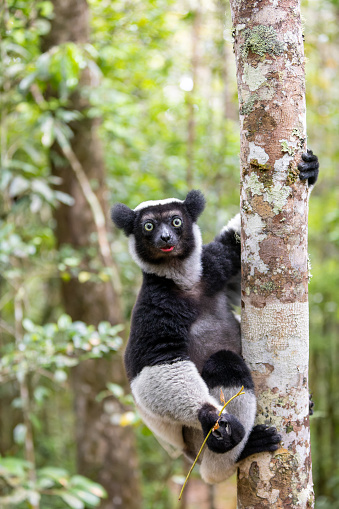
<point>106,452</point>
<point>271,84</point>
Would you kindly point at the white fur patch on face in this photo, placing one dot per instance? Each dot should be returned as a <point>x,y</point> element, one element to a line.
<point>153,203</point>
<point>185,273</point>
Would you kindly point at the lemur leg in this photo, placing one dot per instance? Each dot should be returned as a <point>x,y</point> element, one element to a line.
<point>166,431</point>
<point>170,396</point>
<point>227,371</point>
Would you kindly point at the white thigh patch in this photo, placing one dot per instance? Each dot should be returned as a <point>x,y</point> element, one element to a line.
<point>168,433</point>
<point>174,392</point>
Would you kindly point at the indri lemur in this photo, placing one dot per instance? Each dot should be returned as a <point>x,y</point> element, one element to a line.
<point>185,343</point>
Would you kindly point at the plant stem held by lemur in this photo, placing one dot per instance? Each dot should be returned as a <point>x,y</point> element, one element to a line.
<point>216,426</point>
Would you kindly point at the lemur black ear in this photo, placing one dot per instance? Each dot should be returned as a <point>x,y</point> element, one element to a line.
<point>123,217</point>
<point>195,204</point>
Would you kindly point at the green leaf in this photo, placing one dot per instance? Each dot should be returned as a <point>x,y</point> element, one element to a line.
<point>65,198</point>
<point>87,497</point>
<point>59,475</point>
<point>28,325</point>
<point>19,434</point>
<point>48,131</point>
<point>84,276</point>
<point>115,389</point>
<point>16,48</point>
<point>46,9</point>
<point>45,483</point>
<point>41,393</point>
<point>104,327</point>
<point>88,485</point>
<point>60,376</point>
<point>41,187</point>
<point>68,116</point>
<point>72,501</point>
<point>13,466</point>
<point>33,498</point>
<point>27,82</point>
<point>18,186</point>
<point>64,322</point>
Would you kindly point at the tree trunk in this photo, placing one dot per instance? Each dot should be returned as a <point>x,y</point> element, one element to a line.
<point>190,97</point>
<point>106,452</point>
<point>271,85</point>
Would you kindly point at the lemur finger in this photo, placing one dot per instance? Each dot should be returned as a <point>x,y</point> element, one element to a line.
<point>265,440</point>
<point>256,449</point>
<point>309,156</point>
<point>310,165</point>
<point>304,175</point>
<point>261,429</point>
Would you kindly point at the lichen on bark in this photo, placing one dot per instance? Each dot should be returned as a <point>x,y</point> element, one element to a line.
<point>261,40</point>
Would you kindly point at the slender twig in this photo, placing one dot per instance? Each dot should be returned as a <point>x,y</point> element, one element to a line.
<point>24,394</point>
<point>215,426</point>
<point>8,328</point>
<point>92,200</point>
<point>95,206</point>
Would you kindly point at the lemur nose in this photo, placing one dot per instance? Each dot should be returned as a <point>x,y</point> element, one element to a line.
<point>165,237</point>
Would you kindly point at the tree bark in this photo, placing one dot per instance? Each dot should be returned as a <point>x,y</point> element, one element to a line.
<point>105,452</point>
<point>269,54</point>
<point>190,97</point>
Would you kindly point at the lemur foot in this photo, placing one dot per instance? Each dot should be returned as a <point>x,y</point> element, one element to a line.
<point>262,438</point>
<point>229,433</point>
<point>309,167</point>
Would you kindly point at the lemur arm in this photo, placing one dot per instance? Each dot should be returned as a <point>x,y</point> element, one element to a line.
<point>221,258</point>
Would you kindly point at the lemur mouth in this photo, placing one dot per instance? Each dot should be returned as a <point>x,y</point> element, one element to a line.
<point>167,249</point>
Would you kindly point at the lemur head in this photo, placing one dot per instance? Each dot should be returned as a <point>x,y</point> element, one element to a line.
<point>163,235</point>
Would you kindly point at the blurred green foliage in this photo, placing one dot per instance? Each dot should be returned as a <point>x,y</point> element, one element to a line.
<point>162,113</point>
<point>75,491</point>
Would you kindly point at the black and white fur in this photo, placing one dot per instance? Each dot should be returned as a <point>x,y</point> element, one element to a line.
<point>185,342</point>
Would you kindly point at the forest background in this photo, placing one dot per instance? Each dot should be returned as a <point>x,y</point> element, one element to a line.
<point>162,97</point>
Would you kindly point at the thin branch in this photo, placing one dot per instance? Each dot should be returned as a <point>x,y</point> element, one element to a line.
<point>97,212</point>
<point>8,328</point>
<point>90,197</point>
<point>216,425</point>
<point>24,394</point>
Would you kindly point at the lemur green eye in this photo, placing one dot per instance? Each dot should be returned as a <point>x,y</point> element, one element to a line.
<point>177,222</point>
<point>148,226</point>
